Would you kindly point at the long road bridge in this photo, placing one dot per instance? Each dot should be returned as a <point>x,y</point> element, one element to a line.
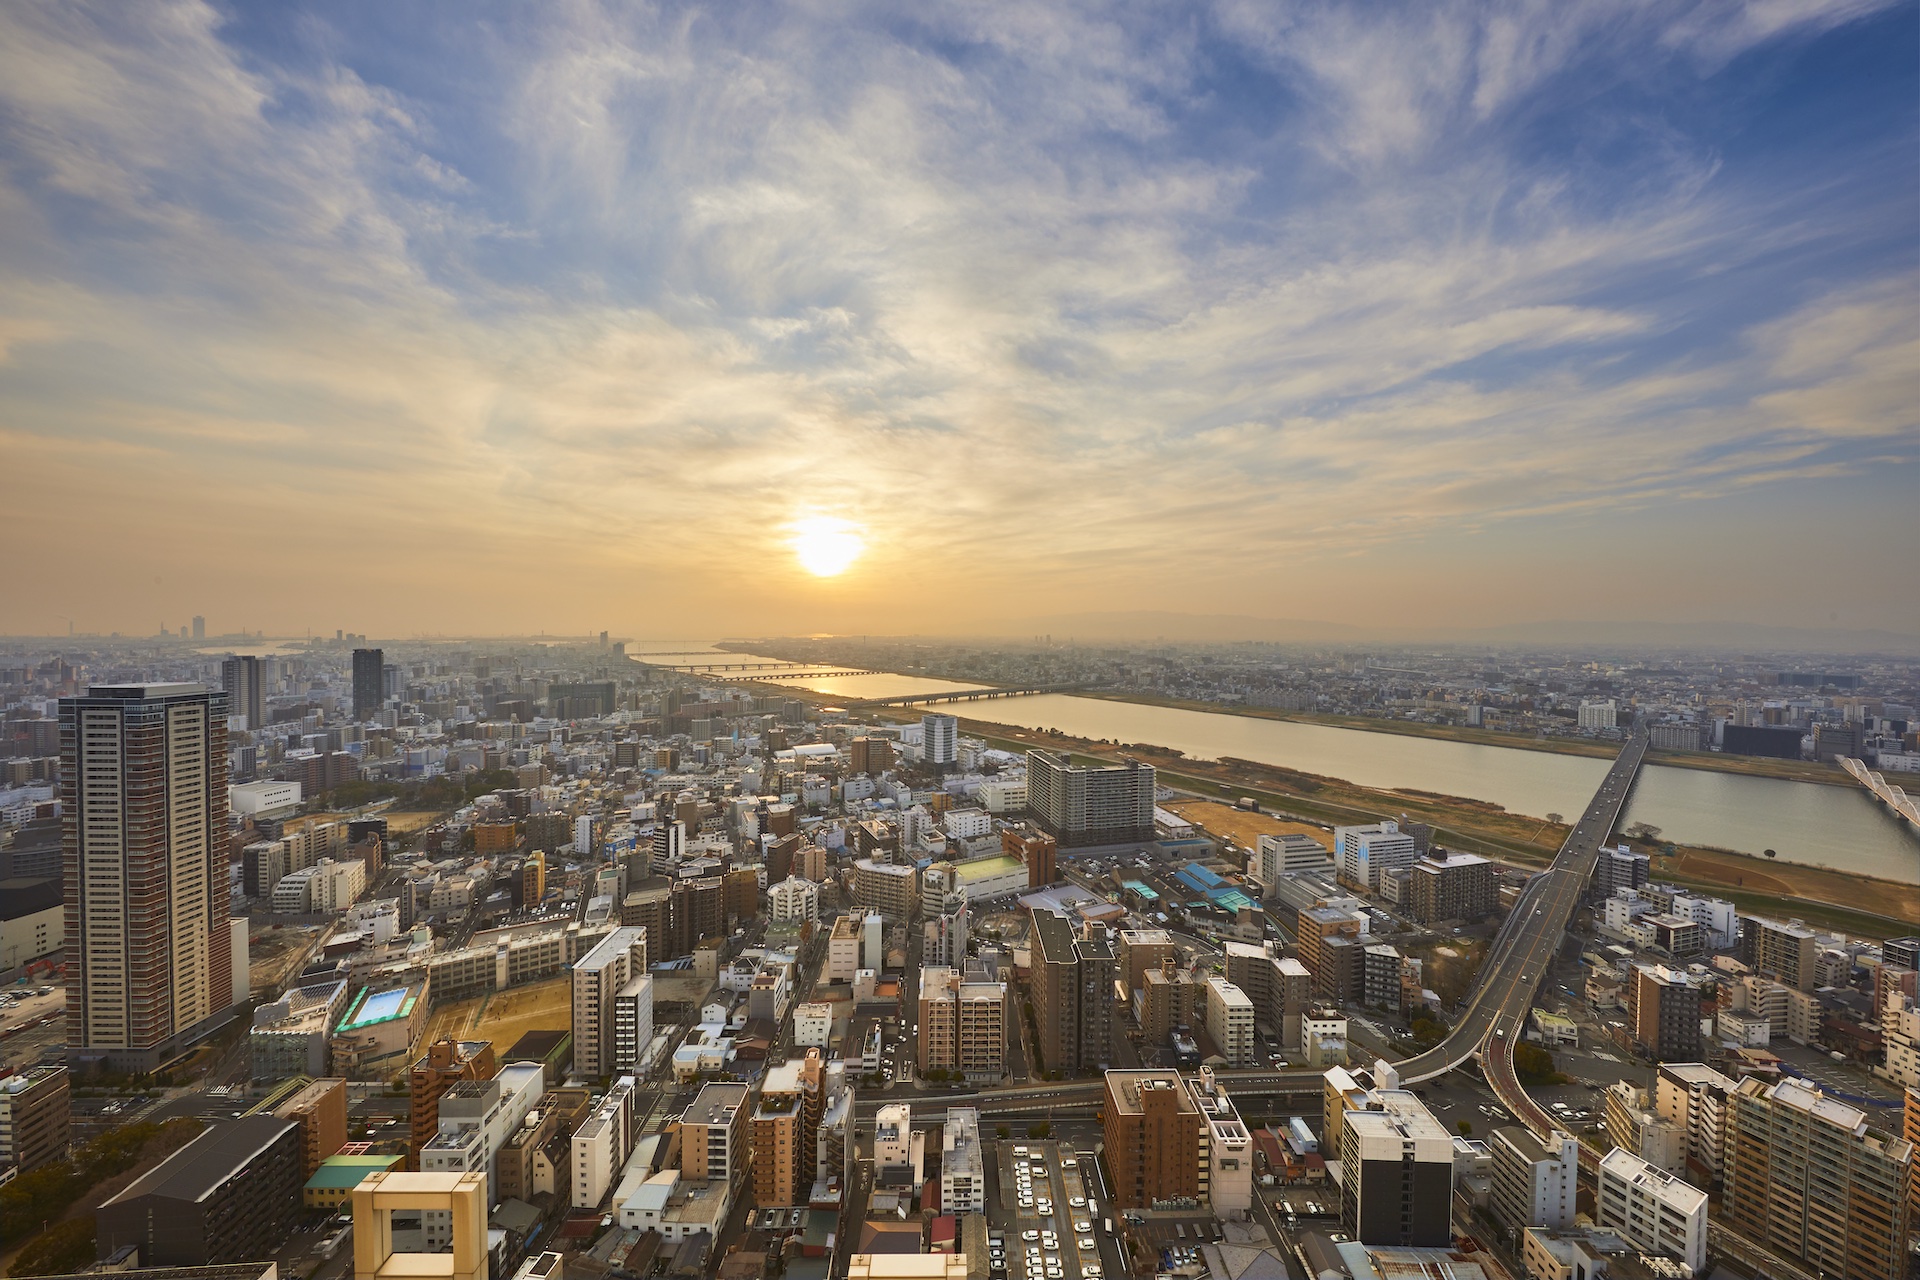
<point>969,695</point>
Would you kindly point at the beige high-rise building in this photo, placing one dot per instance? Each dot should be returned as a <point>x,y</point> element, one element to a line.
<point>713,1134</point>
<point>144,832</point>
<point>1808,1178</point>
<point>963,1025</point>
<point>784,1131</point>
<point>598,977</point>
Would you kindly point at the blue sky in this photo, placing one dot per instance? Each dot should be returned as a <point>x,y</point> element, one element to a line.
<point>442,318</point>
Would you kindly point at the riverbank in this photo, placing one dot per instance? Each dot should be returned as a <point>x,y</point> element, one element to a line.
<point>1752,766</point>
<point>1820,896</point>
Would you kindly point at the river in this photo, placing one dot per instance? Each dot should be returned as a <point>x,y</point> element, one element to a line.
<point>1830,826</point>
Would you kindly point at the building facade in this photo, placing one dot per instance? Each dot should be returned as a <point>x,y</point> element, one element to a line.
<point>1080,805</point>
<point>144,845</point>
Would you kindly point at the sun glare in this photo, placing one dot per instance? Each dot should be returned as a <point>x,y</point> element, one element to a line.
<point>826,545</point>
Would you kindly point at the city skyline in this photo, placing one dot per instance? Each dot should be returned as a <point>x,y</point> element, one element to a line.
<point>759,322</point>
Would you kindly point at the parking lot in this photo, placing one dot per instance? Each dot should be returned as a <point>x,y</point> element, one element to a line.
<point>1043,1214</point>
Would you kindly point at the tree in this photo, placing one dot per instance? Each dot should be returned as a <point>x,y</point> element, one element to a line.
<point>62,1248</point>
<point>1041,1130</point>
<point>1771,854</point>
<point>1534,1065</point>
<point>1465,1127</point>
<point>1555,819</point>
<point>1642,831</point>
<point>1003,1133</point>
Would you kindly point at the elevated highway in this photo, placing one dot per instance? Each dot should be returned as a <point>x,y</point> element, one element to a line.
<point>1497,1010</point>
<point>969,695</point>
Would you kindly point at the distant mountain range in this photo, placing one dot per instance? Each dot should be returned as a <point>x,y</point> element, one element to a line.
<point>1220,628</point>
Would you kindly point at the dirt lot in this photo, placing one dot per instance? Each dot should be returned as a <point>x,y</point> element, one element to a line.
<point>1241,827</point>
<point>505,1016</point>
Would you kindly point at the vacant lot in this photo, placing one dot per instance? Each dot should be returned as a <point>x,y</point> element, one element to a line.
<point>1241,827</point>
<point>505,1016</point>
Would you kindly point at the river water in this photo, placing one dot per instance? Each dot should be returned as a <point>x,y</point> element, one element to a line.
<point>1838,827</point>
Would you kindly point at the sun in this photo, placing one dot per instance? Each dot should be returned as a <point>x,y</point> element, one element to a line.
<point>826,545</point>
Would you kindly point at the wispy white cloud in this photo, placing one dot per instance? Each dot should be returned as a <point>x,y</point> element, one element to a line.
<point>1017,286</point>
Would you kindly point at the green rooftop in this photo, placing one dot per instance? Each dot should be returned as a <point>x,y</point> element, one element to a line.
<point>344,1173</point>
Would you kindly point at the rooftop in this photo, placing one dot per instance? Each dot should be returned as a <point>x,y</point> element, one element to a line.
<point>370,1008</point>
<point>198,1169</point>
<point>715,1104</point>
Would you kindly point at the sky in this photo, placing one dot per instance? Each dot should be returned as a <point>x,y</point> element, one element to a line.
<point>457,319</point>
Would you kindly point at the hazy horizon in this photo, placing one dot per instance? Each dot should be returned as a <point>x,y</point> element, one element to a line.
<point>665,320</point>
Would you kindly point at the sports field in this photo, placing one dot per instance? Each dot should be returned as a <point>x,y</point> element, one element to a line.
<point>505,1016</point>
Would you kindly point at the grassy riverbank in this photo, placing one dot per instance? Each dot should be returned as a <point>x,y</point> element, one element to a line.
<point>1790,770</point>
<point>1815,894</point>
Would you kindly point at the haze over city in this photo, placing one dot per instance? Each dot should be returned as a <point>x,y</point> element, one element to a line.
<point>958,319</point>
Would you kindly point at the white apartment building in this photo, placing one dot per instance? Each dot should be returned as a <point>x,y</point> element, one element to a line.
<point>1695,1098</point>
<point>1653,1210</point>
<point>1599,715</point>
<point>940,739</point>
<point>963,1173</point>
<point>1901,1028</point>
<point>1535,1183</point>
<point>893,1136</point>
<point>583,836</point>
<point>1003,795</point>
<point>1278,857</point>
<point>601,1145</point>
<point>967,824</point>
<point>843,949</point>
<point>1364,854</point>
<point>1229,1172</point>
<point>1718,919</point>
<point>476,1119</point>
<point>1230,1021</point>
<point>598,976</point>
<point>793,901</point>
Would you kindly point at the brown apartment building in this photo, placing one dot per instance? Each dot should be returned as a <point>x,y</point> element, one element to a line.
<point>713,1134</point>
<point>1038,850</point>
<point>1318,925</point>
<point>321,1110</point>
<point>36,1116</point>
<point>445,1061</point>
<point>1808,1178</point>
<point>1155,1135</point>
<point>783,1132</point>
<point>1072,983</point>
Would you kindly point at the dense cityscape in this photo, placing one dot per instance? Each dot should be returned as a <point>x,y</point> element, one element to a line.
<point>971,640</point>
<point>661,970</point>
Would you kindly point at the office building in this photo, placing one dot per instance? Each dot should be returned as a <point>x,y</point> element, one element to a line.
<point>1364,854</point>
<point>1452,886</point>
<point>598,977</point>
<point>1653,1210</point>
<point>1229,1021</point>
<point>242,680</point>
<point>1663,1013</point>
<point>1398,1162</point>
<point>1081,805</point>
<point>445,1063</point>
<point>36,1115</point>
<point>1785,952</point>
<point>1535,1183</point>
<point>1072,988</point>
<point>33,919</point>
<point>1277,858</point>
<point>369,692</point>
<point>230,1195</point>
<point>1155,1136</point>
<point>1807,1178</point>
<point>870,755</point>
<point>1901,953</point>
<point>144,811</point>
<point>940,740</point>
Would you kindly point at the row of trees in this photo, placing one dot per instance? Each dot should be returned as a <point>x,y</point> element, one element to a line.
<point>41,1196</point>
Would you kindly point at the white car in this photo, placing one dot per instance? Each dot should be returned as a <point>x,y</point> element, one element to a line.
<point>1082,1226</point>
<point>1029,1236</point>
<point>1087,1245</point>
<point>1078,1202</point>
<point>1046,1208</point>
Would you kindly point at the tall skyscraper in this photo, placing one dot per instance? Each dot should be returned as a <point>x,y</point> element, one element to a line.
<point>1090,805</point>
<point>240,677</point>
<point>199,627</point>
<point>144,836</point>
<point>369,682</point>
<point>940,740</point>
<point>1072,989</point>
